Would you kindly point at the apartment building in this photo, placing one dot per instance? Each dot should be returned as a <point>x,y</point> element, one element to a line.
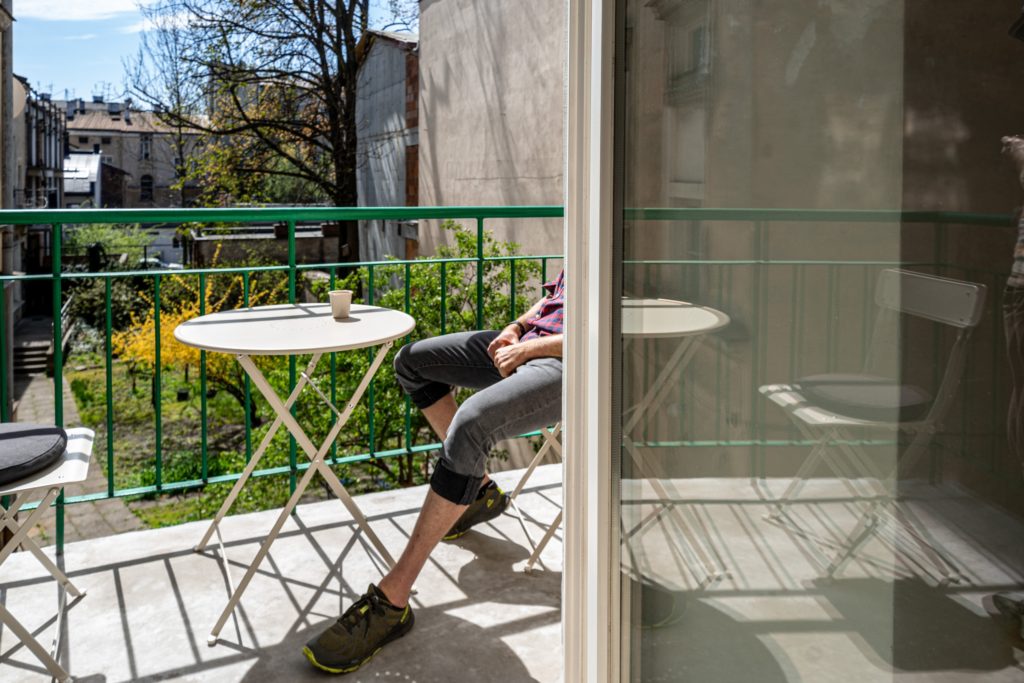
<point>148,152</point>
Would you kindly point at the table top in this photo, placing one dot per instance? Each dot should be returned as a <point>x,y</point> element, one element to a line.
<point>291,329</point>
<point>653,318</point>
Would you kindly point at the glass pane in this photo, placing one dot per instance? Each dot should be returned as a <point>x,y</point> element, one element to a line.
<point>821,375</point>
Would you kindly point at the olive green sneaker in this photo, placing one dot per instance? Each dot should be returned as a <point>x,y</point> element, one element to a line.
<point>365,627</point>
<point>490,502</point>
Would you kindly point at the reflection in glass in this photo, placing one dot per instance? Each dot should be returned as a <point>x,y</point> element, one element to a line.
<point>822,366</point>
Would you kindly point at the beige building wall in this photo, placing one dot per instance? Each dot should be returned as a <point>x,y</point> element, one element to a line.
<point>491,113</point>
<point>138,144</point>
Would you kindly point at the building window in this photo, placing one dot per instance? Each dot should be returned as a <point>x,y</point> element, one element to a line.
<point>106,141</point>
<point>83,139</point>
<point>146,189</point>
<point>146,146</point>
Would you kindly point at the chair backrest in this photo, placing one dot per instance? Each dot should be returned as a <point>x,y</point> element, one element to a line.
<point>951,302</point>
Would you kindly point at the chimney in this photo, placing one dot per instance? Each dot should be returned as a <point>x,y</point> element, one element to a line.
<point>97,99</point>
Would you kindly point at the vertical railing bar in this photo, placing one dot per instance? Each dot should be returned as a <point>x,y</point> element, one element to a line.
<point>108,339</point>
<point>332,283</point>
<point>203,407</point>
<point>4,398</point>
<point>997,343</point>
<point>293,454</point>
<point>794,332</point>
<point>756,349</point>
<point>157,385</point>
<point>512,294</point>
<point>408,400</point>
<point>444,297</point>
<point>248,381</point>
<point>58,358</point>
<point>866,317</point>
<point>371,393</point>
<point>718,359</point>
<point>829,318</point>
<point>480,273</point>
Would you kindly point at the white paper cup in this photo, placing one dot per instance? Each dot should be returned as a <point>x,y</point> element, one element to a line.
<point>341,301</point>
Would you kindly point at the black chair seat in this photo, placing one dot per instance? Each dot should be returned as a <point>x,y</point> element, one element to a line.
<point>866,397</point>
<point>26,449</point>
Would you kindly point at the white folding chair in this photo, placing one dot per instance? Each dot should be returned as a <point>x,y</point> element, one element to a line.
<point>71,468</point>
<point>551,442</point>
<point>941,300</point>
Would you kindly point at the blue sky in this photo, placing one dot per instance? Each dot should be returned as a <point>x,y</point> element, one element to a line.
<point>75,45</point>
<point>79,46</point>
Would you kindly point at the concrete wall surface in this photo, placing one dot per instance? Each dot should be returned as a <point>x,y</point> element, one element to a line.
<point>491,113</point>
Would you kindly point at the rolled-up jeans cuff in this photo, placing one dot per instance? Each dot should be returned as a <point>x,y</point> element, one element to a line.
<point>427,396</point>
<point>460,489</point>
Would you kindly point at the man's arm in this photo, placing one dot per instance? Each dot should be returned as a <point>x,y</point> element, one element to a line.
<point>511,334</point>
<point>508,358</point>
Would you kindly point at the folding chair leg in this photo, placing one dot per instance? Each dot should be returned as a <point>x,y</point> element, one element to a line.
<point>26,638</point>
<point>543,543</point>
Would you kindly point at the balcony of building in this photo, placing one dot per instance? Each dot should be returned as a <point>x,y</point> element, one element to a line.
<point>733,590</point>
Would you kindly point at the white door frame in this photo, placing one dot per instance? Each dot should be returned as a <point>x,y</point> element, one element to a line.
<point>590,595</point>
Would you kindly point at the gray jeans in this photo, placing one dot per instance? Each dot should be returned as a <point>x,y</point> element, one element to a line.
<point>528,399</point>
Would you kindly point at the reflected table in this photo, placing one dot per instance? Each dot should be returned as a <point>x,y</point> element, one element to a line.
<point>291,330</point>
<point>685,323</point>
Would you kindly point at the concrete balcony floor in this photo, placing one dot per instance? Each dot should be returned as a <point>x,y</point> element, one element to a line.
<point>773,616</point>
<point>151,600</point>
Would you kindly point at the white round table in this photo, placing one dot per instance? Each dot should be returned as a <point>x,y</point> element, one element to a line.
<point>289,330</point>
<point>667,319</point>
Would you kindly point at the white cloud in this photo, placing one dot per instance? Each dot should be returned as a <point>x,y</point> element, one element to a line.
<point>174,21</point>
<point>74,10</point>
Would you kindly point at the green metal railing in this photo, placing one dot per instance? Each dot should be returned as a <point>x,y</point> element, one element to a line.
<point>56,220</point>
<point>716,287</point>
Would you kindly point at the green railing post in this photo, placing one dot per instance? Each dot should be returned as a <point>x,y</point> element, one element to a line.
<point>479,273</point>
<point>293,455</point>
<point>108,330</point>
<point>204,455</point>
<point>4,398</point>
<point>157,386</point>
<point>371,392</point>
<point>248,381</point>
<point>58,359</point>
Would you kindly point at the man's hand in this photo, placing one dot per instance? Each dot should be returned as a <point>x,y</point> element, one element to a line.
<point>508,358</point>
<point>507,337</point>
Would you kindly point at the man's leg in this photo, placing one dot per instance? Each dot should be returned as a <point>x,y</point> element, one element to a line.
<point>436,517</point>
<point>530,398</point>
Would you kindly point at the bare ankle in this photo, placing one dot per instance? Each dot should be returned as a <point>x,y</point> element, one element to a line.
<point>398,598</point>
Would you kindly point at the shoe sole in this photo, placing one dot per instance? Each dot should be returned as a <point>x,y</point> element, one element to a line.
<point>349,669</point>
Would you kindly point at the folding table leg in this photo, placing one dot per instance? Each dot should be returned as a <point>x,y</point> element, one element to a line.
<point>26,638</point>
<point>307,445</point>
<point>260,555</point>
<point>250,467</point>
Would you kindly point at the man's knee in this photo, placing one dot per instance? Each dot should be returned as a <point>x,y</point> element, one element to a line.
<point>423,392</point>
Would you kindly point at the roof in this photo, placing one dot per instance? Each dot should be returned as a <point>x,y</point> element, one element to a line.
<point>135,122</point>
<point>79,171</point>
<point>404,40</point>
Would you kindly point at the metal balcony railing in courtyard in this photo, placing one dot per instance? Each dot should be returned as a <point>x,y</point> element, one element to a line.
<point>743,261</point>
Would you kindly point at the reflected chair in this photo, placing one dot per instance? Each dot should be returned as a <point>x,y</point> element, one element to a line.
<point>832,409</point>
<point>70,467</point>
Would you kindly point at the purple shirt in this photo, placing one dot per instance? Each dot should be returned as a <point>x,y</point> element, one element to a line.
<point>549,319</point>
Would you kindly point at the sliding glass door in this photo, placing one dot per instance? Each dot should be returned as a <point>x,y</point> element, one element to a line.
<point>817,455</point>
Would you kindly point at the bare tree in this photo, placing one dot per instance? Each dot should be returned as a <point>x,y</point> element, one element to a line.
<point>269,83</point>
